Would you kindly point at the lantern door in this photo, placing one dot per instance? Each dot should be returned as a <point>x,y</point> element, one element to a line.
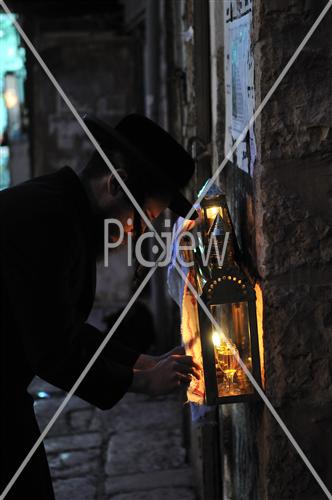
<point>236,337</point>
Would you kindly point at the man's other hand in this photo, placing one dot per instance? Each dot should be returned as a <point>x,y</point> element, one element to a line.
<point>167,375</point>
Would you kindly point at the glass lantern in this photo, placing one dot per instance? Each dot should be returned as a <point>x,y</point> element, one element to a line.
<point>230,297</point>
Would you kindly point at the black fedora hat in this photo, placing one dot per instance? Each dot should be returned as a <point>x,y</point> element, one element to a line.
<point>157,154</point>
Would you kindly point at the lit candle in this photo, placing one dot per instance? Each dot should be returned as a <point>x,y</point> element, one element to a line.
<point>216,339</point>
<point>212,212</point>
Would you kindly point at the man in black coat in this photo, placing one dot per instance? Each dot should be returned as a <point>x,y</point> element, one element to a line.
<point>51,231</point>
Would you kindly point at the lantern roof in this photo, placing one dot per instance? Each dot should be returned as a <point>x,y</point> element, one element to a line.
<point>213,190</point>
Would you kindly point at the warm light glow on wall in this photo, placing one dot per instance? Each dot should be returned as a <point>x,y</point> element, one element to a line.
<point>259,310</point>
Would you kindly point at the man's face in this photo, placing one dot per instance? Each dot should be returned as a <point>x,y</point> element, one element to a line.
<point>125,213</point>
<point>114,204</point>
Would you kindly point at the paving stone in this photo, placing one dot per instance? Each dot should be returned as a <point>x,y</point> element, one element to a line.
<point>79,488</point>
<point>144,415</point>
<point>83,420</point>
<point>80,470</point>
<point>97,421</point>
<point>73,442</point>
<point>143,459</point>
<point>157,494</point>
<point>76,403</point>
<point>44,411</point>
<point>46,407</point>
<point>69,459</point>
<point>146,481</point>
<point>145,451</point>
<point>133,398</point>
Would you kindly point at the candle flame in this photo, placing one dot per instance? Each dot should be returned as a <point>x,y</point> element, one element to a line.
<point>212,212</point>
<point>216,339</point>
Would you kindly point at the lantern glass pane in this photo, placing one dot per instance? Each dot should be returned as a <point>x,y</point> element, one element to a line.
<point>231,342</point>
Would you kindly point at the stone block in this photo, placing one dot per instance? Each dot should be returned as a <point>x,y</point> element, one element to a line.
<point>157,494</point>
<point>74,464</point>
<point>82,488</point>
<point>145,451</point>
<point>44,411</point>
<point>73,442</point>
<point>298,343</point>
<point>131,415</point>
<point>292,235</point>
<point>84,420</point>
<point>179,478</point>
<point>77,471</point>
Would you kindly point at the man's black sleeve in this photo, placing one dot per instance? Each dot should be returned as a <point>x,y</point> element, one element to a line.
<point>36,262</point>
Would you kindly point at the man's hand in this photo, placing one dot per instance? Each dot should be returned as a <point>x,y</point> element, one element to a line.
<point>171,372</point>
<point>145,361</point>
<point>166,376</point>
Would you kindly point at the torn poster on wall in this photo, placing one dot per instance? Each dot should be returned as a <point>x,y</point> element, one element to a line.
<point>240,96</point>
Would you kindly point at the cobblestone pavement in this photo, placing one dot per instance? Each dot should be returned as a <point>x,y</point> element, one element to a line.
<point>132,452</point>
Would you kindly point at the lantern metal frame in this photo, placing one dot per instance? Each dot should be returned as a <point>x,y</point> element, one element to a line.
<point>224,288</point>
<point>225,284</point>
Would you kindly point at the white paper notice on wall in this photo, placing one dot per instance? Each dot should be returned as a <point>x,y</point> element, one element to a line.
<point>240,95</point>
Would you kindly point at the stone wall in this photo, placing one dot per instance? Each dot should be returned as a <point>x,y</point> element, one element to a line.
<point>282,218</point>
<point>96,67</point>
<point>99,79</point>
<point>293,180</point>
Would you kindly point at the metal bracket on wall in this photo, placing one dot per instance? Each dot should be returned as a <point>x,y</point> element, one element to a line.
<point>198,148</point>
